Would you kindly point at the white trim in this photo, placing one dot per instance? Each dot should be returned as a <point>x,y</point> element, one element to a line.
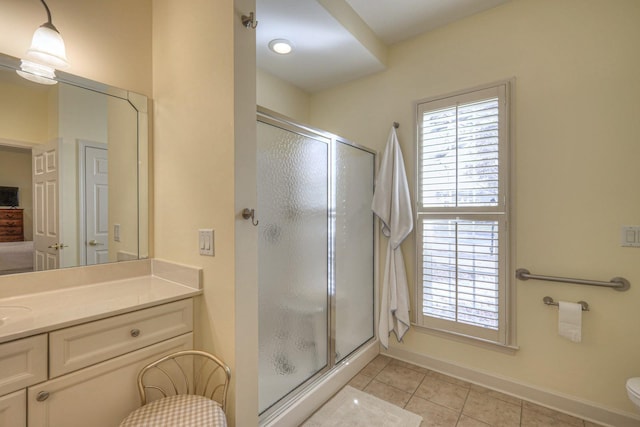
<point>14,143</point>
<point>467,339</point>
<point>505,335</point>
<point>571,405</point>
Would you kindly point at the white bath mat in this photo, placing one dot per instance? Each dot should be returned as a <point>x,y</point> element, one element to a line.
<point>354,408</point>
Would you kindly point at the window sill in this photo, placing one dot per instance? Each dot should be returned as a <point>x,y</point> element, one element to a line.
<point>466,339</point>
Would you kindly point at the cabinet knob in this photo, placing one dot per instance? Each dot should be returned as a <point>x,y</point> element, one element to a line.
<point>42,396</point>
<point>135,332</point>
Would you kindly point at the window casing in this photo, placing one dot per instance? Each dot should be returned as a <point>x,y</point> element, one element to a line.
<point>463,214</point>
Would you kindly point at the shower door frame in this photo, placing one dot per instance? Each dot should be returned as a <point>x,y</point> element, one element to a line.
<point>272,118</point>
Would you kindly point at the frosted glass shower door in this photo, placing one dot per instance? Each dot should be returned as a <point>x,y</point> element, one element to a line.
<point>354,289</point>
<point>293,213</point>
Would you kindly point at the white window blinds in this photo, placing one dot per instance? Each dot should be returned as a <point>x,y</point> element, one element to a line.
<point>460,155</point>
<point>462,213</point>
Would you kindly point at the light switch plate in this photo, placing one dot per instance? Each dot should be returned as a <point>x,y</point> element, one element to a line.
<point>206,241</point>
<point>630,236</point>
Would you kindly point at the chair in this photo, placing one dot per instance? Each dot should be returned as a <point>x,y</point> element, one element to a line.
<point>186,388</point>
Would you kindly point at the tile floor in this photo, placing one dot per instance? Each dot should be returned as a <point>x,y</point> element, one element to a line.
<point>444,401</point>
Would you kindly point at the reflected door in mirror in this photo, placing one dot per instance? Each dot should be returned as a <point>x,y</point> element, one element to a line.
<point>46,221</point>
<point>96,187</point>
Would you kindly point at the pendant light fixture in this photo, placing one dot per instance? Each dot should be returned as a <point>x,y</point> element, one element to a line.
<point>47,52</point>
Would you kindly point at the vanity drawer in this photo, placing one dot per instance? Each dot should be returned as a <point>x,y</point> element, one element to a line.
<point>90,343</point>
<point>23,363</point>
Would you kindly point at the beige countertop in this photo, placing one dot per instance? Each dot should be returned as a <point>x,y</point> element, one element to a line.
<point>40,310</point>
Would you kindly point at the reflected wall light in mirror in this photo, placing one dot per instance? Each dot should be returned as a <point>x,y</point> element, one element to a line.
<point>46,54</point>
<point>98,135</point>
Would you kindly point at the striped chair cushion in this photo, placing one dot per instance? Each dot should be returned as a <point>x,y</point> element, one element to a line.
<point>181,410</point>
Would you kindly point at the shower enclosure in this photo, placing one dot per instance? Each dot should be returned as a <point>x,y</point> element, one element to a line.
<point>315,255</point>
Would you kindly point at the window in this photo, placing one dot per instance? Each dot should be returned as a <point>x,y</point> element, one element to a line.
<point>462,213</point>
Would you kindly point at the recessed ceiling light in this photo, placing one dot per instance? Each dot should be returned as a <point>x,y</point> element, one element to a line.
<point>281,46</point>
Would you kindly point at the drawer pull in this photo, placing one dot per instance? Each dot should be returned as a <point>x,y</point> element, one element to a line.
<point>135,332</point>
<point>42,396</point>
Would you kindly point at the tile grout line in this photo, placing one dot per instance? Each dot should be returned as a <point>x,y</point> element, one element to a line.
<point>425,373</point>
<point>462,409</point>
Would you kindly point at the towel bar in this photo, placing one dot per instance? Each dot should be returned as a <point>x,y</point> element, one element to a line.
<point>617,283</point>
<point>550,301</point>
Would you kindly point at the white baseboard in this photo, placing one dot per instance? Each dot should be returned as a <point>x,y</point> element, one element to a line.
<point>563,403</point>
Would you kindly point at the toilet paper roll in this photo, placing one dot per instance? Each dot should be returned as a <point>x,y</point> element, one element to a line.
<point>570,321</point>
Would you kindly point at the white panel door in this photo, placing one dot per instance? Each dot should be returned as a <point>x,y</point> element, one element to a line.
<point>97,205</point>
<point>47,240</point>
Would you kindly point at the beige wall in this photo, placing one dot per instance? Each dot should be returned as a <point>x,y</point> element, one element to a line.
<point>282,97</point>
<point>193,92</point>
<point>122,134</point>
<point>577,143</point>
<point>23,110</point>
<point>106,41</point>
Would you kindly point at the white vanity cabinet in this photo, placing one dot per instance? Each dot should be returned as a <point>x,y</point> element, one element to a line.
<point>97,396</point>
<point>85,375</point>
<point>22,363</point>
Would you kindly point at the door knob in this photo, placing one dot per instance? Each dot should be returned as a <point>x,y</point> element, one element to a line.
<point>57,246</point>
<point>95,243</point>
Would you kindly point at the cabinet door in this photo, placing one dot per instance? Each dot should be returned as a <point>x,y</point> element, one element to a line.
<point>99,396</point>
<point>22,363</point>
<point>13,409</point>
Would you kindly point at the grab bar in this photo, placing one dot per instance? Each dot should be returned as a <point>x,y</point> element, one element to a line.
<point>617,283</point>
<point>550,301</point>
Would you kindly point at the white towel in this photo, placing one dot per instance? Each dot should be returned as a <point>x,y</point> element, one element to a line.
<point>570,321</point>
<point>392,204</point>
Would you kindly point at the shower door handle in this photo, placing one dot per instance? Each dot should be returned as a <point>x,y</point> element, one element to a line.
<point>250,214</point>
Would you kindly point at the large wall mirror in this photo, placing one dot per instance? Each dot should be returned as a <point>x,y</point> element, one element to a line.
<point>73,173</point>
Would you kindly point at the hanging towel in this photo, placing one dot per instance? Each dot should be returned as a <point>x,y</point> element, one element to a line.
<point>392,204</point>
<point>570,321</point>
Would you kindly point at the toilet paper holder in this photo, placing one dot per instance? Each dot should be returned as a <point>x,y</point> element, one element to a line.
<point>550,301</point>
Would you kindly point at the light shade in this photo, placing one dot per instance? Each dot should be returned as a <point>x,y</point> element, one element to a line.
<point>281,46</point>
<point>47,47</point>
<point>37,73</point>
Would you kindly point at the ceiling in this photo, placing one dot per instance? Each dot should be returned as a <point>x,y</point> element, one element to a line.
<point>336,41</point>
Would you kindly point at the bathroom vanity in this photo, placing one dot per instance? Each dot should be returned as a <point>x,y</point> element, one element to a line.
<point>70,356</point>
